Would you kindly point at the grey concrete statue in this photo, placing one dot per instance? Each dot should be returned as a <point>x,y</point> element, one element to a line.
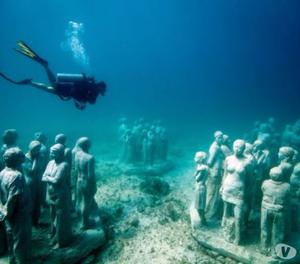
<point>262,156</point>
<point>201,175</point>
<point>234,192</point>
<point>33,177</point>
<point>86,182</point>
<point>15,201</point>
<point>128,147</point>
<point>215,162</point>
<point>56,176</point>
<point>226,146</point>
<point>9,138</point>
<point>295,198</point>
<point>162,145</point>
<point>44,159</point>
<point>274,210</point>
<point>149,148</point>
<point>286,161</point>
<point>123,127</point>
<point>62,139</point>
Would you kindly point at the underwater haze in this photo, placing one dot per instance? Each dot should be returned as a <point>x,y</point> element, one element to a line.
<point>198,66</point>
<point>214,64</point>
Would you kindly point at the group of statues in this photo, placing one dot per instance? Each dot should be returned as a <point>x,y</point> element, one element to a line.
<point>58,179</point>
<point>250,182</point>
<point>144,143</point>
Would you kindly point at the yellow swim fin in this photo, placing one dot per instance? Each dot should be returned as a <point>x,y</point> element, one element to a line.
<point>28,52</point>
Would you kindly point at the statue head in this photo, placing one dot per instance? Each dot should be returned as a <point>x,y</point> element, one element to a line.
<point>10,137</point>
<point>41,137</point>
<point>84,143</point>
<point>257,145</point>
<point>13,157</point>
<point>218,135</point>
<point>239,146</point>
<point>286,154</point>
<point>34,148</point>
<point>248,149</point>
<point>200,157</point>
<point>60,139</point>
<point>57,152</point>
<point>225,139</point>
<point>276,174</point>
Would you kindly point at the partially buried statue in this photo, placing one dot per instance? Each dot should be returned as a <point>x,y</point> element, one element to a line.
<point>56,176</point>
<point>15,207</point>
<point>86,182</point>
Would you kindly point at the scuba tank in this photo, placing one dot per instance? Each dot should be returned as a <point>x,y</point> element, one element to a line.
<point>73,78</point>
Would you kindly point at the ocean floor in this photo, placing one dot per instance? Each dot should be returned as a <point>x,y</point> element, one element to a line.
<point>146,228</point>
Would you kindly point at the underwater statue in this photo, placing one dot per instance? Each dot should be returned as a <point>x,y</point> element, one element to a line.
<point>86,181</point>
<point>215,162</point>
<point>291,135</point>
<point>274,210</point>
<point>226,146</point>
<point>149,148</point>
<point>16,207</point>
<point>295,198</point>
<point>43,160</point>
<point>33,177</point>
<point>123,127</point>
<point>234,192</point>
<point>128,145</point>
<point>62,139</point>
<point>9,138</point>
<point>286,159</point>
<point>56,177</point>
<point>262,157</point>
<point>201,175</point>
<point>162,145</point>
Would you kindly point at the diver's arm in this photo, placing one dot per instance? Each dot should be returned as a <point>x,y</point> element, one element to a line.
<point>43,87</point>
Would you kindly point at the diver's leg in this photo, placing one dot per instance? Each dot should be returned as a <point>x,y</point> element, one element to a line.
<point>43,87</point>
<point>50,74</point>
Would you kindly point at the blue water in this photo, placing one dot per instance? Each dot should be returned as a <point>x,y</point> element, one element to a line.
<point>198,65</point>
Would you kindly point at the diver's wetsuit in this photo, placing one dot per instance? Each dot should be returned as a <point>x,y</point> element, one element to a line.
<point>81,91</point>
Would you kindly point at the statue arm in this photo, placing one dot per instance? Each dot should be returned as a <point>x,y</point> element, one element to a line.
<point>59,175</point>
<point>13,196</point>
<point>211,156</point>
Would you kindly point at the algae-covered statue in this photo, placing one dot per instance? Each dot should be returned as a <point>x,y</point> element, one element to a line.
<point>215,162</point>
<point>274,210</point>
<point>86,182</point>
<point>234,192</point>
<point>295,198</point>
<point>9,138</point>
<point>15,207</point>
<point>33,176</point>
<point>62,139</point>
<point>56,176</point>
<point>201,175</point>
<point>149,148</point>
<point>263,161</point>
<point>226,146</point>
<point>286,157</point>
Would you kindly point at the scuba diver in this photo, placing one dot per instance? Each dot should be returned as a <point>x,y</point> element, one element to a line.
<point>79,87</point>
